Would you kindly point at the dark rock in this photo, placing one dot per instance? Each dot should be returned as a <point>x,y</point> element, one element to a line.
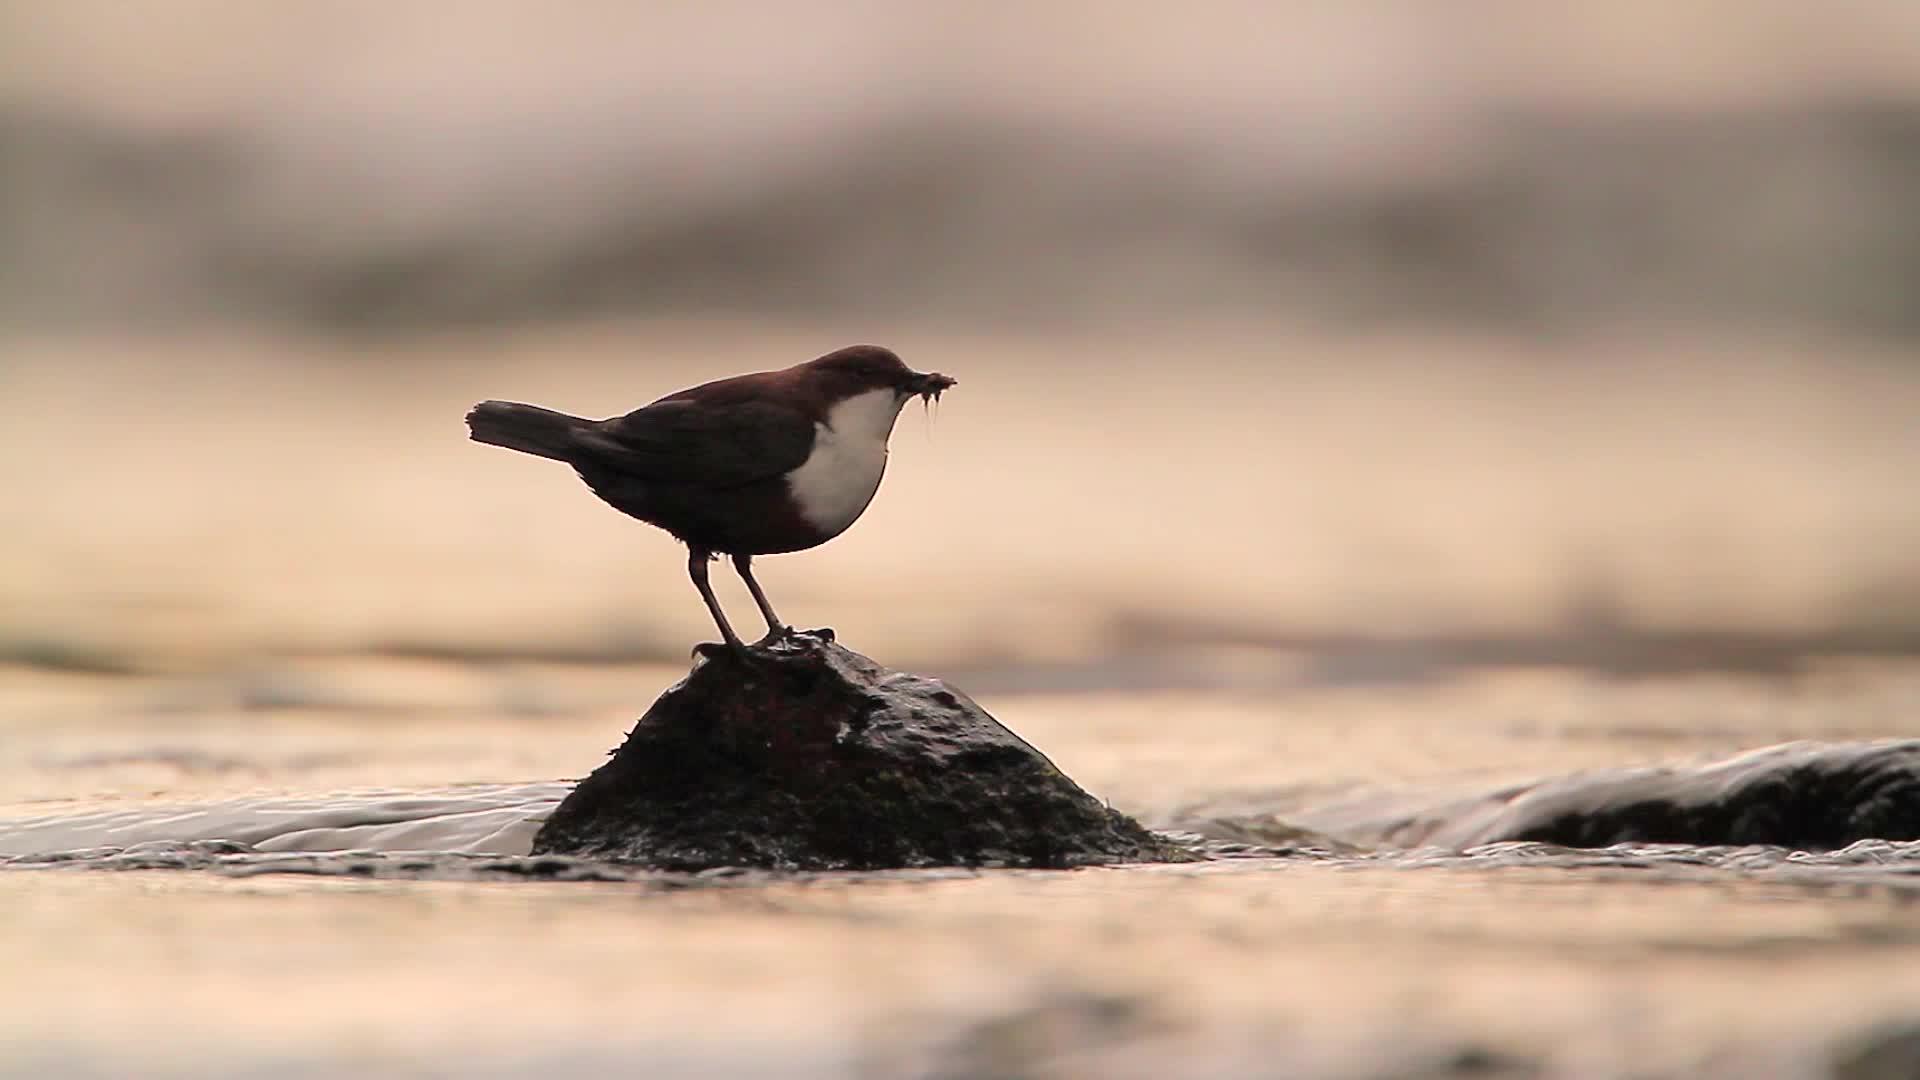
<point>1806,796</point>
<point>809,756</point>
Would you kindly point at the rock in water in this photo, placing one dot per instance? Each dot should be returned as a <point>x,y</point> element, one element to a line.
<point>810,756</point>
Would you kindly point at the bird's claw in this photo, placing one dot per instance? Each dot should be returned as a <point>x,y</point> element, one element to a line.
<point>740,650</point>
<point>714,650</point>
<point>788,633</point>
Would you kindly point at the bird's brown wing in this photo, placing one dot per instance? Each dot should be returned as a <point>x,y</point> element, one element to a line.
<point>711,446</point>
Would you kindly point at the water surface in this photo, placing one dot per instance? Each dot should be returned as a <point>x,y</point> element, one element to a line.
<point>1345,961</point>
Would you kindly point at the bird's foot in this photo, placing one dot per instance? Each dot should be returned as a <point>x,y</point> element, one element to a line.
<point>715,650</point>
<point>775,635</point>
<point>788,635</point>
<point>740,650</point>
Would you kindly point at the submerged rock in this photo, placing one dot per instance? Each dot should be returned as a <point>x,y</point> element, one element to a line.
<point>1802,796</point>
<point>810,756</point>
<point>1807,796</point>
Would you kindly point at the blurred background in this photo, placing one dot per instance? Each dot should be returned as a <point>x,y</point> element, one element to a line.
<point>1380,338</point>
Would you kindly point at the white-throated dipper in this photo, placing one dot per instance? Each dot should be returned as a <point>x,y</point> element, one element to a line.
<point>758,464</point>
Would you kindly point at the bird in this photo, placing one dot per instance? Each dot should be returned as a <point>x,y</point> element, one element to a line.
<point>759,464</point>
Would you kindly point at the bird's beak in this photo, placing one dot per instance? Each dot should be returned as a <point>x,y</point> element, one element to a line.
<point>928,386</point>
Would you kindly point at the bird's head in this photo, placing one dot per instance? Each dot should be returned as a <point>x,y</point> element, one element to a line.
<point>858,369</point>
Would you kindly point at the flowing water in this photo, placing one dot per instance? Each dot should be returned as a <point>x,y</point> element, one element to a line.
<point>1348,960</point>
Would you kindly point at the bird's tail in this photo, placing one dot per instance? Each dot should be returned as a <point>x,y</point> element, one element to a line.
<point>529,429</point>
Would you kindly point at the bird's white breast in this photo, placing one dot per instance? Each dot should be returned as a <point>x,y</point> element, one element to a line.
<point>837,481</point>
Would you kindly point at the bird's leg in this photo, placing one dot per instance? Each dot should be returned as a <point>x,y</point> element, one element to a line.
<point>775,628</point>
<point>697,570</point>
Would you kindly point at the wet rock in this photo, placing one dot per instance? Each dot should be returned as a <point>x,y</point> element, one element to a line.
<point>1804,796</point>
<point>810,756</point>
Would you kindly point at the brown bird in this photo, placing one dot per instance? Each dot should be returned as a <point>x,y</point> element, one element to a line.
<point>758,464</point>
